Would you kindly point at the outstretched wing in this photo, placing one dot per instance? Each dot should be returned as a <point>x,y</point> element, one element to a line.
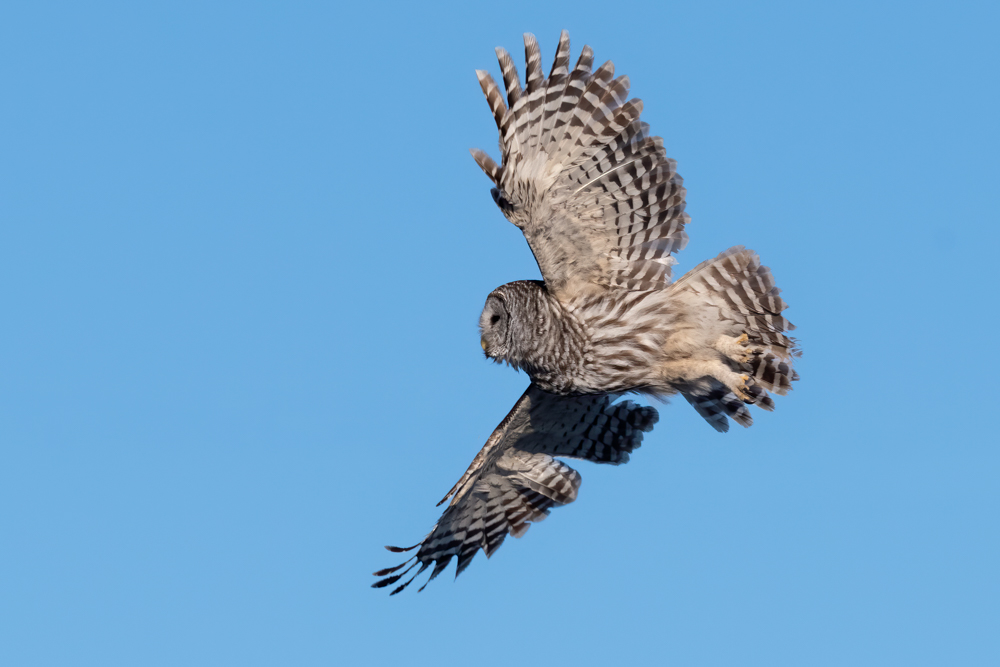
<point>595,195</point>
<point>514,480</point>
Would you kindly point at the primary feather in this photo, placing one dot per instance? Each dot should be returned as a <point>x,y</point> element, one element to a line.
<point>595,195</point>
<point>515,479</point>
<point>602,208</point>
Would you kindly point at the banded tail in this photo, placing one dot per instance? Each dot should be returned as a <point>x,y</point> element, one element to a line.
<point>741,295</point>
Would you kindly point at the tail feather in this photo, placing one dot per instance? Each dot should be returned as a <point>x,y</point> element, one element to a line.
<point>773,373</point>
<point>745,298</point>
<point>715,402</point>
<point>743,291</point>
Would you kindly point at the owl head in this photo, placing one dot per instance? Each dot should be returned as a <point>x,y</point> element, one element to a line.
<point>510,322</point>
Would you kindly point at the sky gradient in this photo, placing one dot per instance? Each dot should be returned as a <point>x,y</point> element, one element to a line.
<point>243,251</point>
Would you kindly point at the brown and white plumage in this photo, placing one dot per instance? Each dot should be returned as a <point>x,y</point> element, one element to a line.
<point>595,195</point>
<point>515,479</point>
<point>602,208</point>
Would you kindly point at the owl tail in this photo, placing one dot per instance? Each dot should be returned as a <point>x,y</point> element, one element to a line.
<point>739,294</point>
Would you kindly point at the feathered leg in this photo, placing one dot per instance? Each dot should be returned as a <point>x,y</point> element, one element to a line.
<point>750,354</point>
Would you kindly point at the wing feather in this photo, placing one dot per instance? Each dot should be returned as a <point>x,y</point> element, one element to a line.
<point>511,80</point>
<point>600,204</point>
<point>515,480</point>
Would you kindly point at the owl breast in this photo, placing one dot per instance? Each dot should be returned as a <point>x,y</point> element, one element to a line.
<point>610,342</point>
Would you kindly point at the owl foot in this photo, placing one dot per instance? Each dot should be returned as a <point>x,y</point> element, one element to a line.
<point>739,385</point>
<point>683,371</point>
<point>740,350</point>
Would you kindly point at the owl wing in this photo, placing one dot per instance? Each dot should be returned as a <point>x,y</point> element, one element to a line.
<point>597,198</point>
<point>514,480</point>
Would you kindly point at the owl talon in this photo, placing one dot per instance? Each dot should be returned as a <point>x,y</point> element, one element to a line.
<point>738,349</point>
<point>740,389</point>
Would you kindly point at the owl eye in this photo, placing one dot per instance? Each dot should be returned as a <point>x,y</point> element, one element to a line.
<point>494,319</point>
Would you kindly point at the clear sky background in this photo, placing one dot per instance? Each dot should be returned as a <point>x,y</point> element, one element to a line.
<point>243,251</point>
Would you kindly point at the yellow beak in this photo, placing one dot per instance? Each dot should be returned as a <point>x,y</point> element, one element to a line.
<point>482,341</point>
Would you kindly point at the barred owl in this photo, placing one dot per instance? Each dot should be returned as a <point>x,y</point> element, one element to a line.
<point>602,209</point>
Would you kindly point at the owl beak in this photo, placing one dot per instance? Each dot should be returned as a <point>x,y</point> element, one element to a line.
<point>482,342</point>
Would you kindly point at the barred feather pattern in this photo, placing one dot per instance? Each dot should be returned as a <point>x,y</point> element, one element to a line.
<point>600,204</point>
<point>515,480</point>
<point>602,209</point>
<point>741,295</point>
<point>655,342</point>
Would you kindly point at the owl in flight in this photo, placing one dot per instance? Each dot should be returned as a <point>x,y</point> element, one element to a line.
<point>602,208</point>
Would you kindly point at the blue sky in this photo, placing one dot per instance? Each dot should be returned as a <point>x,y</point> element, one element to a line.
<point>243,251</point>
